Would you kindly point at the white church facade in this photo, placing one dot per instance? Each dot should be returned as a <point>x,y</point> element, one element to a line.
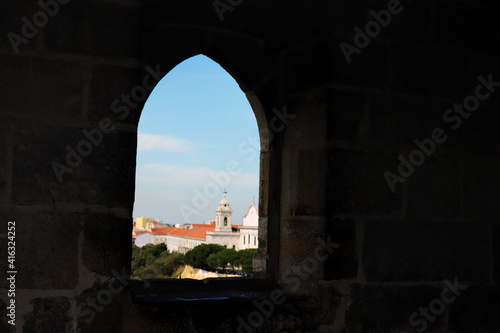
<point>249,231</point>
<point>221,231</point>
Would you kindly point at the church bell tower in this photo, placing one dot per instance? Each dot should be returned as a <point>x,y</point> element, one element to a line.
<point>223,216</point>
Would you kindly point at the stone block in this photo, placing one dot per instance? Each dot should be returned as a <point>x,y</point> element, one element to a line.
<point>476,134</point>
<point>368,69</point>
<point>434,189</point>
<point>306,66</point>
<point>480,191</point>
<point>356,183</point>
<point>41,88</point>
<point>476,309</point>
<point>4,325</point>
<point>411,26</point>
<point>402,120</point>
<point>303,119</point>
<point>303,182</point>
<point>11,21</point>
<point>302,254</point>
<point>87,22</point>
<point>66,32</point>
<point>467,28</point>
<point>5,162</point>
<point>46,249</point>
<point>343,262</point>
<point>107,243</point>
<point>110,83</point>
<point>345,112</point>
<point>95,306</point>
<point>430,74</point>
<point>49,315</point>
<point>382,309</point>
<point>495,230</point>
<point>425,251</point>
<point>106,176</point>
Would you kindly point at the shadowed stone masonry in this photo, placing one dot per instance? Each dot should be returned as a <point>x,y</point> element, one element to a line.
<point>322,175</point>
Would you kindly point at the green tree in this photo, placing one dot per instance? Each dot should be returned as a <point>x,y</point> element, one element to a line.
<point>214,261</point>
<point>197,257</point>
<point>154,261</point>
<point>228,257</point>
<point>245,259</point>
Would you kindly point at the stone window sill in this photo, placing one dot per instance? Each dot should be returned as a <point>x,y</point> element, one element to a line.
<point>212,289</point>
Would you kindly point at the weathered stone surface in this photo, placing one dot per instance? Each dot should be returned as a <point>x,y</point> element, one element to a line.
<point>388,308</point>
<point>95,305</point>
<point>35,148</point>
<point>356,183</point>
<point>67,32</point>
<point>299,184</point>
<point>41,88</point>
<point>299,263</point>
<point>123,81</point>
<point>495,231</point>
<point>425,251</point>
<point>345,112</point>
<point>5,162</point>
<point>343,262</point>
<point>434,189</point>
<point>106,244</point>
<point>401,120</point>
<point>303,119</point>
<point>49,315</point>
<point>481,194</point>
<point>477,308</point>
<point>323,175</point>
<point>4,325</point>
<point>464,27</point>
<point>46,249</point>
<point>11,14</point>
<point>94,179</point>
<point>411,25</point>
<point>368,69</point>
<point>431,73</point>
<point>309,62</point>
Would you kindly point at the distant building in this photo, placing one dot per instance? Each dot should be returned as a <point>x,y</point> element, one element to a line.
<point>224,234</point>
<point>183,238</point>
<point>249,231</point>
<point>141,222</point>
<point>142,238</point>
<point>150,225</point>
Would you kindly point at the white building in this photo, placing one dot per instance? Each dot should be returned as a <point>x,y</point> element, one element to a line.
<point>224,233</point>
<point>221,231</point>
<point>249,231</point>
<point>142,238</point>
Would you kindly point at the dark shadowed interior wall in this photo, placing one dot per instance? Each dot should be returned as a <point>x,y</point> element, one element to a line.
<point>379,185</point>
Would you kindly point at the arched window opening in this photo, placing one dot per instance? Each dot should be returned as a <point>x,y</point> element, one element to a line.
<point>197,137</point>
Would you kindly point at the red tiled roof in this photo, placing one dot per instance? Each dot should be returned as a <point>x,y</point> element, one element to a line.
<point>200,232</point>
<point>178,231</point>
<point>163,231</point>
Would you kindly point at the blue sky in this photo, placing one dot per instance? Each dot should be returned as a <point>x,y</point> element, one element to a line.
<point>195,122</point>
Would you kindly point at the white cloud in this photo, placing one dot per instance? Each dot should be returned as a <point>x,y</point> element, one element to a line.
<point>162,142</point>
<point>162,188</point>
<point>170,175</point>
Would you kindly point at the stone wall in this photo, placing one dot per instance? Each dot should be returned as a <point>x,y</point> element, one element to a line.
<point>336,112</point>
